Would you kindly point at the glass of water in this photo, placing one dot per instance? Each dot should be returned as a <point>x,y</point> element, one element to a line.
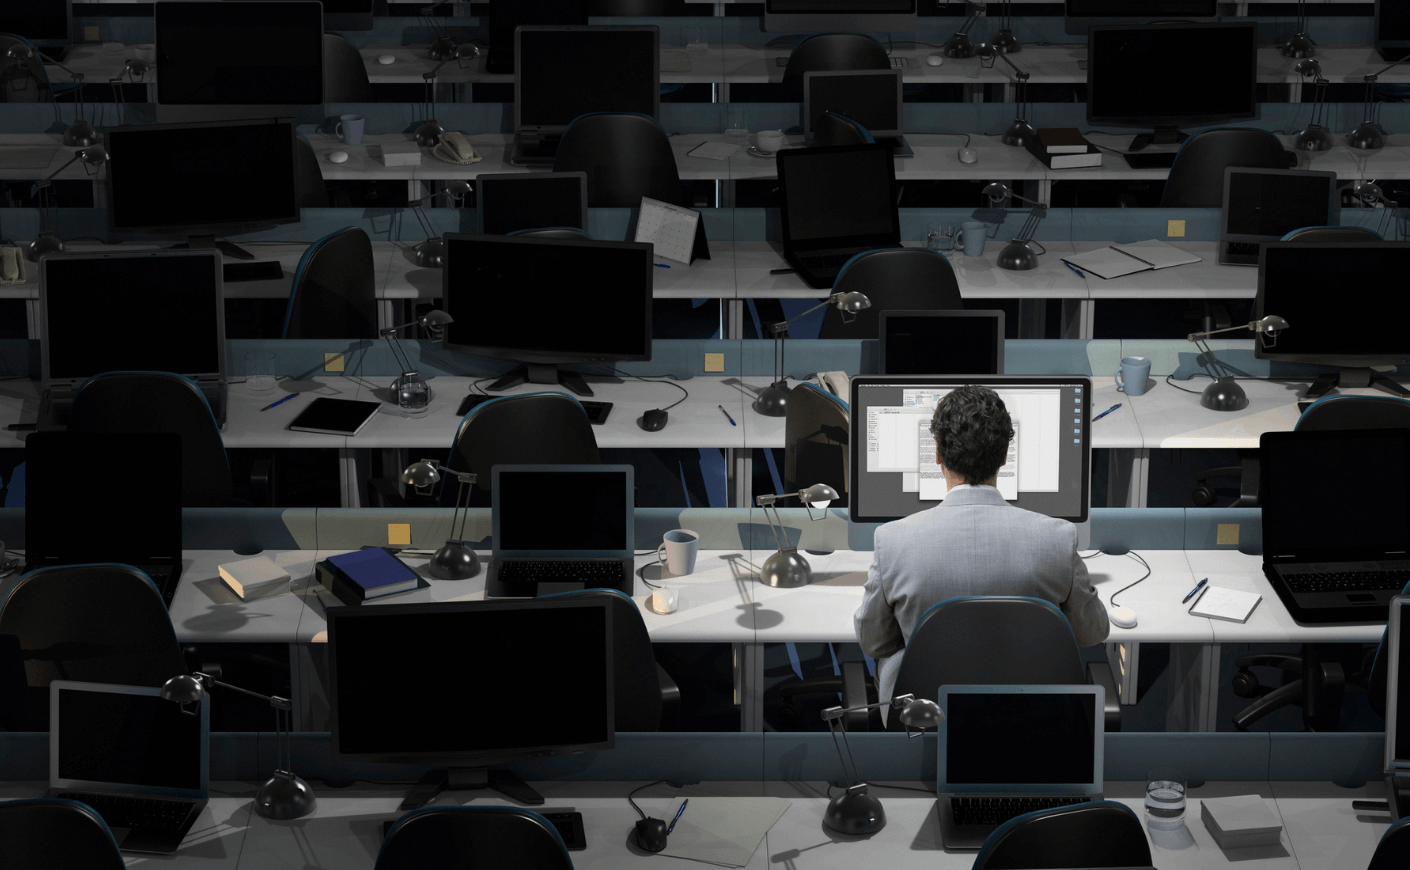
<point>737,124</point>
<point>697,42</point>
<point>1165,798</point>
<point>259,372</point>
<point>940,237</point>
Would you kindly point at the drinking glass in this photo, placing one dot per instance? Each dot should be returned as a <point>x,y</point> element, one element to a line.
<point>1165,798</point>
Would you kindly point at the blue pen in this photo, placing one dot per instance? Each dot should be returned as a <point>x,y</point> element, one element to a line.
<point>280,402</point>
<point>661,265</point>
<point>1198,587</point>
<point>678,816</point>
<point>1107,411</point>
<point>728,417</point>
<point>320,601</point>
<point>1075,269</point>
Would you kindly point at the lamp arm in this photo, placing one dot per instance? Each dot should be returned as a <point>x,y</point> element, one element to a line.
<point>1214,362</point>
<point>778,328</point>
<point>418,210</point>
<point>72,161</point>
<point>275,701</point>
<point>854,777</point>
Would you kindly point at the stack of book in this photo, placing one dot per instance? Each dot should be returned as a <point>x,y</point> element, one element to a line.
<point>1063,148</point>
<point>363,575</point>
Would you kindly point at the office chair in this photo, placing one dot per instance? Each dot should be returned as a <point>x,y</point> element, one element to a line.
<point>334,289</point>
<point>1092,834</point>
<point>308,176</point>
<point>100,623</point>
<point>824,52</point>
<point>1197,177</point>
<point>1333,234</point>
<point>1393,851</point>
<point>835,129</point>
<point>894,279</point>
<point>645,697</point>
<point>344,74</point>
<point>528,429</point>
<point>626,156</point>
<point>56,834</point>
<point>483,837</point>
<point>816,441</point>
<point>636,8</point>
<point>143,402</point>
<point>22,81</point>
<point>553,233</point>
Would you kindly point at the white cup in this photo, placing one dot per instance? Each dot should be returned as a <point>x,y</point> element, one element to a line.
<point>770,140</point>
<point>665,600</point>
<point>146,51</point>
<point>680,547</point>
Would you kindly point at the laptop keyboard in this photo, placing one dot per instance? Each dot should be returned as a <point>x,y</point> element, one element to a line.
<point>1348,581</point>
<point>1243,249</point>
<point>997,810</point>
<point>135,812</point>
<point>589,571</point>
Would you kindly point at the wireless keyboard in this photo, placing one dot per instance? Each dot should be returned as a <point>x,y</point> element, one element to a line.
<point>997,810</point>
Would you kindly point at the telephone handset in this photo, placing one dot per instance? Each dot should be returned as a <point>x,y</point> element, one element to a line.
<point>11,266</point>
<point>453,147</point>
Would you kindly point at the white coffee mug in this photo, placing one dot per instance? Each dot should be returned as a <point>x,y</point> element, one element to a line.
<point>680,547</point>
<point>770,140</point>
<point>665,600</point>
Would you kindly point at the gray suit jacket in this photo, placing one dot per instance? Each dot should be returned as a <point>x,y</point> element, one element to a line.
<point>972,543</point>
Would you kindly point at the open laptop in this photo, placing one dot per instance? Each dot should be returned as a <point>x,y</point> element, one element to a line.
<point>1397,742</point>
<point>1008,750</point>
<point>1336,554</point>
<point>835,203</point>
<point>588,545</point>
<point>514,201</point>
<point>140,526</point>
<point>140,761</point>
<point>871,97</point>
<point>160,311</point>
<point>1263,205</point>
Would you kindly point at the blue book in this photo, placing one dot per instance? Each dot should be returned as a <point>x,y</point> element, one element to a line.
<point>372,572</point>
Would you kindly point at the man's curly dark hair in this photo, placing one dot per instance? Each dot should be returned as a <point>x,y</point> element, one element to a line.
<point>972,429</point>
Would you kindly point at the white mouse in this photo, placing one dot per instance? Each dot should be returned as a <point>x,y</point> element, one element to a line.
<point>969,155</point>
<point>935,59</point>
<point>387,59</point>
<point>1123,617</point>
<point>338,157</point>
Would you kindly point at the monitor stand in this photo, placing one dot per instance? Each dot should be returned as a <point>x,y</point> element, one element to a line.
<point>201,243</point>
<point>1354,378</point>
<point>1161,136</point>
<point>541,373</point>
<point>437,780</point>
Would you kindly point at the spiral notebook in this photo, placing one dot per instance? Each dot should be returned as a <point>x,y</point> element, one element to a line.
<point>1114,261</point>
<point>1229,604</point>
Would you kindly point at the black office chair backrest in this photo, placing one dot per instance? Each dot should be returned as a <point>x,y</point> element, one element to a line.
<point>308,176</point>
<point>334,289</point>
<point>101,623</point>
<point>636,8</point>
<point>1355,412</point>
<point>815,441</point>
<point>529,429</point>
<point>894,279</point>
<point>1094,834</point>
<point>145,402</point>
<point>1333,234</point>
<point>344,73</point>
<point>56,834</point>
<point>553,233</point>
<point>479,837</point>
<point>636,688</point>
<point>1196,179</point>
<point>1393,851</point>
<point>824,52</point>
<point>22,81</point>
<point>835,129</point>
<point>626,156</point>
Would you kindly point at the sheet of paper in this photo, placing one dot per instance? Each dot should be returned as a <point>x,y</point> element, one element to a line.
<point>1106,263</point>
<point>1008,472</point>
<point>1161,255</point>
<point>930,479</point>
<point>1220,603</point>
<point>713,150</point>
<point>891,437</point>
<point>670,229</point>
<point>721,830</point>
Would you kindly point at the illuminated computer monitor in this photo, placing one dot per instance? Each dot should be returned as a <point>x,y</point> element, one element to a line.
<point>42,22</point>
<point>1337,301</point>
<point>546,302</point>
<point>857,16</point>
<point>941,342</point>
<point>1078,15</point>
<point>894,473</point>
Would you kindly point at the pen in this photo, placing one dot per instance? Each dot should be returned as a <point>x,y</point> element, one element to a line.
<point>280,402</point>
<point>1198,587</point>
<point>678,816</point>
<point>1075,269</point>
<point>661,265</point>
<point>728,417</point>
<point>320,602</point>
<point>1199,596</point>
<point>1107,411</point>
<point>780,271</point>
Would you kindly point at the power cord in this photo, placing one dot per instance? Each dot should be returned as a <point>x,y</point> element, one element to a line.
<point>653,379</point>
<point>632,794</point>
<point>1137,556</point>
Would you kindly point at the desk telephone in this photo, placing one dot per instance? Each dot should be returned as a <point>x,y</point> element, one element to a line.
<point>453,147</point>
<point>12,266</point>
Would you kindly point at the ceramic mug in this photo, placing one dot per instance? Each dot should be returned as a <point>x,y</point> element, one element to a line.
<point>1131,377</point>
<point>349,128</point>
<point>770,140</point>
<point>678,550</point>
<point>971,237</point>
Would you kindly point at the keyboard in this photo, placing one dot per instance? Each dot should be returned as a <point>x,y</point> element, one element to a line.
<point>591,572</point>
<point>133,812</point>
<point>1243,249</point>
<point>997,810</point>
<point>1348,581</point>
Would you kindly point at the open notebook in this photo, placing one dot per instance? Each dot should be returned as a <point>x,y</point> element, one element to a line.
<point>1117,260</point>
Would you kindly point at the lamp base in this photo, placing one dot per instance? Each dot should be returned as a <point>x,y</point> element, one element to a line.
<point>1019,133</point>
<point>786,569</point>
<point>855,812</point>
<point>773,401</point>
<point>47,243</point>
<point>431,253</point>
<point>1366,137</point>
<point>1224,394</point>
<point>1299,45</point>
<point>1005,42</point>
<point>1314,138</point>
<point>959,46</point>
<point>454,561</point>
<point>1017,257</point>
<point>80,134</point>
<point>442,49</point>
<point>429,133</point>
<point>284,796</point>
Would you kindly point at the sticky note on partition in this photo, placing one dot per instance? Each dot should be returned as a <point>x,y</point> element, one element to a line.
<point>1227,535</point>
<point>714,362</point>
<point>398,534</point>
<point>1175,229</point>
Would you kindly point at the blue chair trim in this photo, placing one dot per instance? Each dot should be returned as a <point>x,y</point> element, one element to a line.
<point>581,591</point>
<point>932,608</point>
<point>539,229</point>
<point>1300,229</point>
<point>465,421</point>
<point>638,114</point>
<point>1014,822</point>
<point>857,125</point>
<point>151,585</point>
<point>1335,396</point>
<point>837,400</point>
<point>64,802</point>
<point>852,259</point>
<point>1405,822</point>
<point>299,274</point>
<point>471,809</point>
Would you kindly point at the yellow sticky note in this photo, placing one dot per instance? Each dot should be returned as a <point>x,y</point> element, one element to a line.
<point>1175,229</point>
<point>714,362</point>
<point>90,34</point>
<point>398,534</point>
<point>333,362</point>
<point>1228,535</point>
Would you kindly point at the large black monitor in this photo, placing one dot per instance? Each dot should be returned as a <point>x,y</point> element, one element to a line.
<point>1397,700</point>
<point>470,684</point>
<point>239,52</point>
<point>563,72</point>
<point>1130,81</point>
<point>941,342</point>
<point>514,201</point>
<point>1078,15</point>
<point>42,22</point>
<point>347,15</point>
<point>857,16</point>
<point>202,179</point>
<point>894,472</point>
<point>1393,29</point>
<point>1336,298</point>
<point>545,302</point>
<point>506,16</point>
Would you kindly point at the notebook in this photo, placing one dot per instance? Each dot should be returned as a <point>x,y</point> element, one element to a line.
<point>140,761</point>
<point>1007,750</point>
<point>835,203</point>
<point>1215,602</point>
<point>585,543</point>
<point>1263,205</point>
<point>1114,261</point>
<point>334,416</point>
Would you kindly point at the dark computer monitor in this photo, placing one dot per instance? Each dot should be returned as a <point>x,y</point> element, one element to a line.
<point>506,17</point>
<point>1336,298</point>
<point>515,201</point>
<point>857,16</point>
<point>347,15</point>
<point>563,72</point>
<point>1397,649</point>
<point>1392,38</point>
<point>202,179</point>
<point>239,52</point>
<point>942,342</point>
<point>894,473</point>
<point>871,97</point>
<point>42,22</point>
<point>490,682</point>
<point>545,302</point>
<point>1078,15</point>
<point>1130,80</point>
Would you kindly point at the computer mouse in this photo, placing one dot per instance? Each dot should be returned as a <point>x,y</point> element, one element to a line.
<point>1123,617</point>
<point>338,157</point>
<point>651,834</point>
<point>653,420</point>
<point>935,59</point>
<point>386,59</point>
<point>969,155</point>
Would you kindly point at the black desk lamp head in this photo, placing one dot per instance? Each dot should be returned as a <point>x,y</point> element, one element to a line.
<point>1224,393</point>
<point>773,400</point>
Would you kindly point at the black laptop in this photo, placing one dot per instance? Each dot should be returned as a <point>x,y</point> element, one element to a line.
<point>1263,205</point>
<point>1336,521</point>
<point>835,203</point>
<point>105,498</point>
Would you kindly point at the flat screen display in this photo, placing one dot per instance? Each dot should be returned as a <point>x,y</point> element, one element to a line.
<point>942,342</point>
<point>872,98</point>
<point>216,177</point>
<point>1129,80</point>
<point>991,739</point>
<point>1399,694</point>
<point>531,200</point>
<point>37,20</point>
<point>140,740</point>
<point>1272,204</point>
<point>1392,21</point>
<point>547,300</point>
<point>599,499</point>
<point>239,52</point>
<point>844,192</point>
<point>569,71</point>
<point>507,15</point>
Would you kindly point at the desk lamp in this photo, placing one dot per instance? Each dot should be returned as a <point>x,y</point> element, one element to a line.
<point>442,47</point>
<point>413,395</point>
<point>80,133</point>
<point>959,44</point>
<point>773,401</point>
<point>1020,132</point>
<point>432,252</point>
<point>455,560</point>
<point>1224,393</point>
<point>787,568</point>
<point>284,795</point>
<point>1004,41</point>
<point>1370,193</point>
<point>430,130</point>
<point>1367,136</point>
<point>1299,44</point>
<point>47,242</point>
<point>1018,254</point>
<point>1314,137</point>
<point>854,811</point>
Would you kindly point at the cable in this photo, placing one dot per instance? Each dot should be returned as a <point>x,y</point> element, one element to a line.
<point>646,379</point>
<point>632,794</point>
<point>1137,556</point>
<point>906,787</point>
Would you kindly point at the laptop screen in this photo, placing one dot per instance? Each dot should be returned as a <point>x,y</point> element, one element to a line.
<point>127,737</point>
<point>1272,203</point>
<point>1007,738</point>
<point>872,98</point>
<point>844,194</point>
<point>532,200</point>
<point>597,510</point>
<point>1398,686</point>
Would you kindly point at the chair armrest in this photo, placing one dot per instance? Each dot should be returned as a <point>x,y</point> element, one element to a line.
<point>1099,674</point>
<point>670,699</point>
<point>262,481</point>
<point>854,694</point>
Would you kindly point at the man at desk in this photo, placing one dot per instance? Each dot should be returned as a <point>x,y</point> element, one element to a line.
<point>973,543</point>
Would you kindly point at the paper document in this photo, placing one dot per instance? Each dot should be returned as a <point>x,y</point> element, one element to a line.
<point>1229,604</point>
<point>1160,255</point>
<point>713,150</point>
<point>1114,261</point>
<point>721,830</point>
